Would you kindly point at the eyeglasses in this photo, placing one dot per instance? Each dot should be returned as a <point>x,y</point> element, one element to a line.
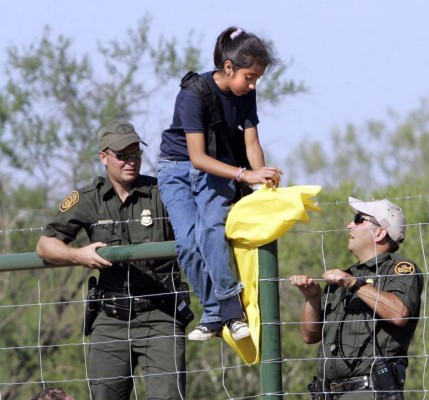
<point>359,218</point>
<point>137,155</point>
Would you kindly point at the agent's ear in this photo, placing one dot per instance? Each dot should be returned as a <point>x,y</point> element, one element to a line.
<point>103,157</point>
<point>380,235</point>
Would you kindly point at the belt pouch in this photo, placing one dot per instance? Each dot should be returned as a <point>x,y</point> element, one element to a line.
<point>120,308</point>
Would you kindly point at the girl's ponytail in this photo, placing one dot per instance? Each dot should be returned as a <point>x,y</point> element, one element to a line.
<point>243,49</point>
<point>221,44</point>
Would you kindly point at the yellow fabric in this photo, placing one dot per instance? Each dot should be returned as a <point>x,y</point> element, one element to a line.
<point>247,348</point>
<point>266,214</point>
<point>254,221</point>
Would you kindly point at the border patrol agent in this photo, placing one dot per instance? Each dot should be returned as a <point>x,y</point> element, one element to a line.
<point>369,311</point>
<point>134,323</point>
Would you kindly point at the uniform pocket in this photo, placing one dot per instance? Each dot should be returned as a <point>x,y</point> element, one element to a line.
<point>110,233</point>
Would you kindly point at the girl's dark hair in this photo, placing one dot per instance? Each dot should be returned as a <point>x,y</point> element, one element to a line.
<point>243,49</point>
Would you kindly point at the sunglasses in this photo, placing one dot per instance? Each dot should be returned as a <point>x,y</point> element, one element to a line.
<point>359,218</point>
<point>137,155</point>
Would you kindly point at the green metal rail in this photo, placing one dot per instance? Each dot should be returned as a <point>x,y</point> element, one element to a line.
<point>270,368</point>
<point>132,252</point>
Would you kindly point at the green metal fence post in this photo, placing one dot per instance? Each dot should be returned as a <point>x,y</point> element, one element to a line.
<point>269,302</point>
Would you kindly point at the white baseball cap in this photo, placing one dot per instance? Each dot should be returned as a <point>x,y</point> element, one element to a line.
<point>387,214</point>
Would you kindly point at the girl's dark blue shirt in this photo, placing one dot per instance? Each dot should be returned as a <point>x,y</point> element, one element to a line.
<point>192,116</point>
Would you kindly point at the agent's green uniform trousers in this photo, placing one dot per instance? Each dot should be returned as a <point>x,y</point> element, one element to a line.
<point>153,340</point>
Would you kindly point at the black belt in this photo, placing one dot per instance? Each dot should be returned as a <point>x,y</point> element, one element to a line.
<point>350,384</point>
<point>123,300</point>
<point>122,306</point>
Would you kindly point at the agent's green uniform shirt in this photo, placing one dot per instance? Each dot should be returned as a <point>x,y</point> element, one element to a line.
<point>97,209</point>
<point>347,347</point>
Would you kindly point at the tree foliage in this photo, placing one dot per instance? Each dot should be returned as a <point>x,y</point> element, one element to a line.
<point>378,153</point>
<point>54,100</point>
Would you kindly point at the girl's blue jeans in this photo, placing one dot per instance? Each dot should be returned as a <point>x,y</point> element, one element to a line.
<point>198,204</point>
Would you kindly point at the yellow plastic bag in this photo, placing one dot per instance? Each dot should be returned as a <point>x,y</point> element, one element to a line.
<point>267,214</point>
<point>255,220</point>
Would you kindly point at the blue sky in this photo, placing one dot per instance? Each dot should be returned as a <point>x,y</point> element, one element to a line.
<point>360,58</point>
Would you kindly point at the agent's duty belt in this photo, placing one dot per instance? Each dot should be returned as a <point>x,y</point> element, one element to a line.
<point>124,307</point>
<point>350,384</point>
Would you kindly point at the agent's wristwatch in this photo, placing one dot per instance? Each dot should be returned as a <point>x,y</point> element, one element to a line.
<point>358,284</point>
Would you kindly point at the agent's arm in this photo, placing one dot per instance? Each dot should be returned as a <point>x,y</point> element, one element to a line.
<point>57,252</point>
<point>387,305</point>
<point>311,314</point>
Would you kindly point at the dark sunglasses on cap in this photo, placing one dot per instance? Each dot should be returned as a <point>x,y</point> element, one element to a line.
<point>137,155</point>
<point>359,218</point>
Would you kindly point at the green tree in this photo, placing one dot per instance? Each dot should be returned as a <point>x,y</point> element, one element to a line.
<point>376,154</point>
<point>54,100</point>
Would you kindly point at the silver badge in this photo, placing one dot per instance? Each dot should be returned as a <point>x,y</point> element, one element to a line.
<point>146,218</point>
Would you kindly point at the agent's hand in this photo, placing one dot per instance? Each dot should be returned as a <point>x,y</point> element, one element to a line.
<point>270,176</point>
<point>307,285</point>
<point>89,257</point>
<point>339,278</point>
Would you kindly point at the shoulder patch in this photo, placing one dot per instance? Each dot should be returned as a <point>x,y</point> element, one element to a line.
<point>404,268</point>
<point>69,201</point>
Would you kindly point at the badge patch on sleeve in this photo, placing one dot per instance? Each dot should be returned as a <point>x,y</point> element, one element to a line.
<point>69,201</point>
<point>404,268</point>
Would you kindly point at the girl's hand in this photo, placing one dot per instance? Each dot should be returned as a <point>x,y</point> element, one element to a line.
<point>268,175</point>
